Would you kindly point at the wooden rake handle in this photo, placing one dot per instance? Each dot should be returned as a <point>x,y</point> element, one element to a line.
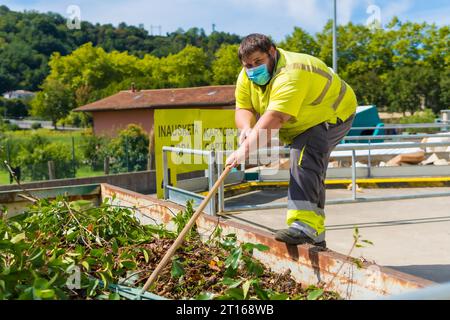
<point>185,230</point>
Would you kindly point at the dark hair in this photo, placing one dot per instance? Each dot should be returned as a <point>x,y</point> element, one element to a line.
<point>252,43</point>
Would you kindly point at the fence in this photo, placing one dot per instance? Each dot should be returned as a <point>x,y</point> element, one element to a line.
<point>56,157</point>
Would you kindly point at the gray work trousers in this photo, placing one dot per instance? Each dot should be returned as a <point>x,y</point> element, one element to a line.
<point>309,156</point>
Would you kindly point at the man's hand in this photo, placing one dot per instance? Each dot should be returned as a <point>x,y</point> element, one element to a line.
<point>244,134</point>
<point>237,157</point>
<point>270,121</point>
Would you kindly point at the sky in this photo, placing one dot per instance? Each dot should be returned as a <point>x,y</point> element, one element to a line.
<point>276,18</point>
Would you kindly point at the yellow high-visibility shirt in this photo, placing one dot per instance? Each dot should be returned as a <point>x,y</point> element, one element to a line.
<point>303,87</point>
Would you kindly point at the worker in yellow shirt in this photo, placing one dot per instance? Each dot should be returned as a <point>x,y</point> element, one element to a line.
<point>312,109</point>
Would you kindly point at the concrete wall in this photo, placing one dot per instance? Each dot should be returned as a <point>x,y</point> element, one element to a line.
<point>142,181</point>
<point>110,122</point>
<point>16,201</point>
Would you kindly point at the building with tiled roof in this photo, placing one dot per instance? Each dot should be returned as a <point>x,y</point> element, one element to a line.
<point>115,112</point>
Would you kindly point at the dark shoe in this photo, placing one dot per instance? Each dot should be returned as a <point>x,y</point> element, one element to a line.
<point>295,237</point>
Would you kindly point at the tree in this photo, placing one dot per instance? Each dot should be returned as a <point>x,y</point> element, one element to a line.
<point>28,39</point>
<point>188,68</point>
<point>444,84</point>
<point>33,159</point>
<point>130,149</point>
<point>95,149</point>
<point>89,70</point>
<point>226,66</point>
<point>54,102</point>
<point>14,108</point>
<point>369,89</point>
<point>300,41</point>
<point>406,86</point>
<point>37,49</point>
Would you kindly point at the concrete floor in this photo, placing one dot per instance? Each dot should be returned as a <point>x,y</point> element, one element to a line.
<point>412,236</point>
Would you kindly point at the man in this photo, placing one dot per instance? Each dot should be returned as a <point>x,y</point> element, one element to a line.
<point>312,108</point>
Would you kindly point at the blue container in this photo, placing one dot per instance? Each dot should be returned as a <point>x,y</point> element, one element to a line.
<point>366,116</point>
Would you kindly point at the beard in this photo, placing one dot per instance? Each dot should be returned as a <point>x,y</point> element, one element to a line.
<point>272,62</point>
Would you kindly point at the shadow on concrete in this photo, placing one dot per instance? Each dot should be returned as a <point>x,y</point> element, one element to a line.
<point>435,272</point>
<point>257,197</point>
<point>253,223</point>
<point>313,255</point>
<point>392,223</point>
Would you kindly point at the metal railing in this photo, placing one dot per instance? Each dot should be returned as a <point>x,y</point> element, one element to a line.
<point>406,126</point>
<point>354,198</point>
<point>398,137</point>
<point>179,195</point>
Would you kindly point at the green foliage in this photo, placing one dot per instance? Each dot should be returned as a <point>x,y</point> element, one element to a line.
<point>370,89</point>
<point>5,125</point>
<point>242,253</point>
<point>177,268</point>
<point>36,125</point>
<point>130,149</point>
<point>28,39</point>
<point>406,86</point>
<point>425,116</point>
<point>33,159</point>
<point>12,143</point>
<point>54,102</point>
<point>59,249</point>
<point>188,68</point>
<point>358,242</point>
<point>29,149</point>
<point>77,67</point>
<point>241,287</point>
<point>300,41</point>
<point>13,108</point>
<point>226,66</point>
<point>444,84</point>
<point>94,149</point>
<point>240,256</point>
<point>41,249</point>
<point>393,67</point>
<point>90,73</point>
<point>182,218</point>
<point>76,119</point>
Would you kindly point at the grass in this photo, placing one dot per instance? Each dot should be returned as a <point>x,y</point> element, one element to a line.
<point>86,171</point>
<point>4,177</point>
<point>52,135</point>
<point>19,137</point>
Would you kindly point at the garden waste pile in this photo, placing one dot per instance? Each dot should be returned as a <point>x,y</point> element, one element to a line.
<point>59,249</point>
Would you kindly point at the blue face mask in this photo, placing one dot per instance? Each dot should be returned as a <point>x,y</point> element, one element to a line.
<point>259,75</point>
